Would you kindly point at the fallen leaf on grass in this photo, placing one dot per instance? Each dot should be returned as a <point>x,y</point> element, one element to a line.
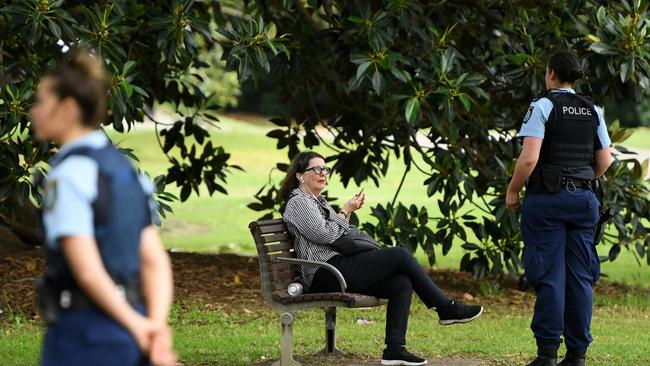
<point>364,321</point>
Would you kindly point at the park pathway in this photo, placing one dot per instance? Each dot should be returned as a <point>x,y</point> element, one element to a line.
<point>314,360</point>
<point>434,362</point>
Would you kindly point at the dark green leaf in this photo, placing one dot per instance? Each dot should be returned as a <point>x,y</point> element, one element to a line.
<point>470,246</point>
<point>627,70</point>
<point>377,82</point>
<point>603,48</point>
<point>412,109</point>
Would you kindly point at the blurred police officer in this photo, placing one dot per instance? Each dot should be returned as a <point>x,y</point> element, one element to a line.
<point>108,285</point>
<point>565,148</point>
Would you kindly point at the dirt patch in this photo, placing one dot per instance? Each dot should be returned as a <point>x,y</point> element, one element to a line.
<point>18,272</point>
<point>231,283</point>
<point>216,281</point>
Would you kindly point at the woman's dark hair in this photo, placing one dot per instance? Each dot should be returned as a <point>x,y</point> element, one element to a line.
<point>81,77</point>
<point>566,66</point>
<point>298,165</point>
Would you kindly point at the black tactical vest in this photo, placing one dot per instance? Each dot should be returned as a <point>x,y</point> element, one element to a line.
<point>570,139</point>
<point>121,212</point>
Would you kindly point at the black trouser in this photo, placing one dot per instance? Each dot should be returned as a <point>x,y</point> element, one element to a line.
<point>388,273</point>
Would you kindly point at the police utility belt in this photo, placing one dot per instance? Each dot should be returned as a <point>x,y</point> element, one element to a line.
<point>550,180</point>
<point>54,300</point>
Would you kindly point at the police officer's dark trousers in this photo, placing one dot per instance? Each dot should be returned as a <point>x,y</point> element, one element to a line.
<point>89,337</point>
<point>388,273</point>
<point>562,264</point>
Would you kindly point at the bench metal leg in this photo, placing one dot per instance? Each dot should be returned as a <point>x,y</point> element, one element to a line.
<point>286,352</point>
<point>330,332</point>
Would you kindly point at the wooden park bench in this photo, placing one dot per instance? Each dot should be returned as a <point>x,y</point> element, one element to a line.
<point>278,268</point>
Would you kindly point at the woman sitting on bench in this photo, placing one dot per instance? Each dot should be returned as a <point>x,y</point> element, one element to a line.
<point>390,273</point>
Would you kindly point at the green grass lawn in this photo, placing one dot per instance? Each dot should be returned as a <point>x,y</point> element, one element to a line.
<point>219,223</point>
<point>621,336</point>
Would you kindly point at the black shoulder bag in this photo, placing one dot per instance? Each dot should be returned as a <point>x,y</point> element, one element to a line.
<point>354,242</point>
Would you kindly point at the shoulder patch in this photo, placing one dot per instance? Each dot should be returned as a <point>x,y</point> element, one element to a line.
<point>50,194</point>
<point>529,113</point>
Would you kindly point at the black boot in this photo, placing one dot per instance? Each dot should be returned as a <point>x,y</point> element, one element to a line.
<point>573,359</point>
<point>545,358</point>
<point>543,361</point>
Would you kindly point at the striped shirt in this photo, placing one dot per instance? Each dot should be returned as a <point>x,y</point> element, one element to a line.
<point>314,225</point>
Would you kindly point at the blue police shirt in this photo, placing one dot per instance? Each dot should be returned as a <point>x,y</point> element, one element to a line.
<point>71,188</point>
<point>539,110</point>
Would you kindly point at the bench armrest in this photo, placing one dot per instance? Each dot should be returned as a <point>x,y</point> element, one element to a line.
<point>331,268</point>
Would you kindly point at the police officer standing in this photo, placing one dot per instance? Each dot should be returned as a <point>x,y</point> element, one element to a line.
<point>107,289</point>
<point>565,148</point>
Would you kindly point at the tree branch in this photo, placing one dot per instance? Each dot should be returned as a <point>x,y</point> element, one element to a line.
<point>401,183</point>
<point>439,4</point>
<point>156,123</point>
<point>327,6</point>
<point>483,9</point>
<point>2,67</point>
<point>304,14</point>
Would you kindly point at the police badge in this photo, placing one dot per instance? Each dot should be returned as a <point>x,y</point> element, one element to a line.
<point>529,113</point>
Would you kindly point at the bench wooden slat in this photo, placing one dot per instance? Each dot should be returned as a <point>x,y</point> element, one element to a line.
<point>275,228</point>
<point>268,222</point>
<point>282,271</point>
<point>282,293</point>
<point>282,286</point>
<point>280,247</point>
<point>276,237</point>
<point>282,276</point>
<point>274,256</point>
<point>353,300</point>
<point>277,266</point>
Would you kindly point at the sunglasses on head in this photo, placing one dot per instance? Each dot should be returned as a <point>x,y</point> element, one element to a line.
<point>319,170</point>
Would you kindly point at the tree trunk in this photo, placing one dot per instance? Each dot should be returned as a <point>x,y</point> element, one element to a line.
<point>19,226</point>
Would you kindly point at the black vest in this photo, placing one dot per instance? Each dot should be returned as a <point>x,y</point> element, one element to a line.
<point>569,139</point>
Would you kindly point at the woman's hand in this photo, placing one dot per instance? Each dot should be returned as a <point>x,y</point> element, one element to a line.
<point>142,329</point>
<point>355,203</point>
<point>161,352</point>
<point>512,200</point>
<point>154,340</point>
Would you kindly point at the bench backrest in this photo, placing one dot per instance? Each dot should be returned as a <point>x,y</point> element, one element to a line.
<point>272,240</point>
